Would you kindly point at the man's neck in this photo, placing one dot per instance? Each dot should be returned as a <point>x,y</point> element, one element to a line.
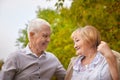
<point>36,51</point>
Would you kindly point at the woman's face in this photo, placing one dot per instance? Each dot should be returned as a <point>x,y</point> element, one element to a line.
<point>80,45</point>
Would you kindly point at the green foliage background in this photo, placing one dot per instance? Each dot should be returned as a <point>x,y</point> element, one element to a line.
<point>1,63</point>
<point>61,44</point>
<point>103,14</point>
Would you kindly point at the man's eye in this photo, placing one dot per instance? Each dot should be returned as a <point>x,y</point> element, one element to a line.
<point>45,36</point>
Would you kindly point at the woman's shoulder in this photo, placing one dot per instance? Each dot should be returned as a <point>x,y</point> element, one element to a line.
<point>117,55</point>
<point>74,58</point>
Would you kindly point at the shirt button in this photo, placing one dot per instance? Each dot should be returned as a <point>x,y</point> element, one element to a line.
<point>39,77</point>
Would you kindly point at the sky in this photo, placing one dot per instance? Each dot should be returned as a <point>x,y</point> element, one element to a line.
<point>14,14</point>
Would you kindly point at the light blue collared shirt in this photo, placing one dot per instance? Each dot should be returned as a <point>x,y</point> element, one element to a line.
<point>97,70</point>
<point>25,65</point>
<point>29,52</point>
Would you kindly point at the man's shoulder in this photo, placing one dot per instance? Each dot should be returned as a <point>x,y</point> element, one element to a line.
<point>15,53</point>
<point>52,56</point>
<point>49,54</point>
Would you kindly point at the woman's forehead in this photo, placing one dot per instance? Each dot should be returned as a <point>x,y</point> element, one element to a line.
<point>76,37</point>
<point>76,34</point>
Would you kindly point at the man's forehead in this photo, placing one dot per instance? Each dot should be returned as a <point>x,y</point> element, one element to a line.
<point>44,26</point>
<point>45,32</point>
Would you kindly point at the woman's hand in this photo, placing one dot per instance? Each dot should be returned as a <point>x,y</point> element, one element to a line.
<point>111,59</point>
<point>105,50</point>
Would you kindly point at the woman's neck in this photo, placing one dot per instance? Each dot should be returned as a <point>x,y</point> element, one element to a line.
<point>90,55</point>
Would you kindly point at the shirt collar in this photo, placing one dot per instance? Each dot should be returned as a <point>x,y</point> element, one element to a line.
<point>92,65</point>
<point>29,52</point>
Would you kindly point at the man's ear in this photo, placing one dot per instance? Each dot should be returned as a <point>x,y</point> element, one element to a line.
<point>31,34</point>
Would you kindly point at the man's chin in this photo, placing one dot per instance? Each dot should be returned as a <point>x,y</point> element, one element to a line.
<point>43,49</point>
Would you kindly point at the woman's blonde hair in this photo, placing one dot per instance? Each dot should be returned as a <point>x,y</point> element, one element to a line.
<point>89,35</point>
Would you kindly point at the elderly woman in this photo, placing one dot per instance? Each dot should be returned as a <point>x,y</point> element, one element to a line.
<point>90,63</point>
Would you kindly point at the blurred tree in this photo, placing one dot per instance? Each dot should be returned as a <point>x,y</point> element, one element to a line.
<point>23,38</point>
<point>1,63</point>
<point>103,14</point>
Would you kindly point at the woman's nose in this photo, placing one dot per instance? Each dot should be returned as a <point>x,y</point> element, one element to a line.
<point>75,46</point>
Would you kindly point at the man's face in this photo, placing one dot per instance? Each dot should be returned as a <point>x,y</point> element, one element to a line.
<point>41,39</point>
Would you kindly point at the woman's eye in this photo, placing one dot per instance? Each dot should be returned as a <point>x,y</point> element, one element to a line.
<point>76,40</point>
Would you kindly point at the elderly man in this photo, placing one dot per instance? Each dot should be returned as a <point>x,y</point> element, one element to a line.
<point>33,62</point>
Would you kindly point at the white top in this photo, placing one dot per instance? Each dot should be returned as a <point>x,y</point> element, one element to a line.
<point>97,70</point>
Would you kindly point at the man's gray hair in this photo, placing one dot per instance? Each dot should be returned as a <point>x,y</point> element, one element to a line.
<point>35,25</point>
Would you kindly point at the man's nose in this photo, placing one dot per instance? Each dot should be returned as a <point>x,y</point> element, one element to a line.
<point>48,39</point>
